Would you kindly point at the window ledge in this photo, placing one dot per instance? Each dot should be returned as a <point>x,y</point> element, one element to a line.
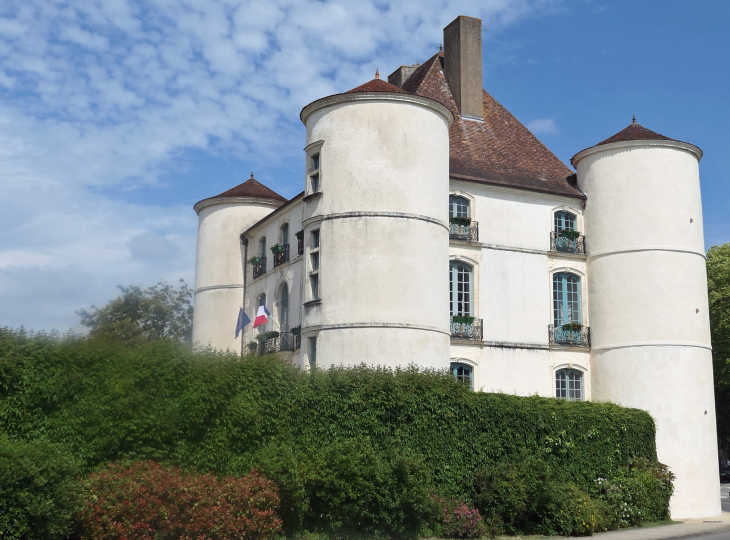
<point>469,243</point>
<point>569,348</point>
<point>314,302</point>
<point>312,196</point>
<point>563,255</point>
<point>468,342</point>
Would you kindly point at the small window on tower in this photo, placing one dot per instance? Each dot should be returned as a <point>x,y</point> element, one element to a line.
<point>314,183</point>
<point>314,163</point>
<point>315,239</point>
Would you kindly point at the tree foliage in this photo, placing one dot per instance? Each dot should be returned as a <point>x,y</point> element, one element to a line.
<point>718,288</point>
<point>158,312</point>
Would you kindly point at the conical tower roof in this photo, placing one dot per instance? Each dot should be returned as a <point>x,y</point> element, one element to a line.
<point>635,132</point>
<point>250,189</point>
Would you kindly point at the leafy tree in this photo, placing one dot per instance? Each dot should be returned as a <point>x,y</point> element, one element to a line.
<point>718,284</point>
<point>158,312</point>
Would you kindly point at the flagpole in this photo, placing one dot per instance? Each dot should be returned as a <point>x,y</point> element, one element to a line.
<point>244,241</point>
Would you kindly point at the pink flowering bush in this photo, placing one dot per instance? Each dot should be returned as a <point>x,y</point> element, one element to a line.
<point>456,519</point>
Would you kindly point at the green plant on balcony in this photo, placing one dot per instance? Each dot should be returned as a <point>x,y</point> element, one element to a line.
<point>254,260</point>
<point>462,319</point>
<point>466,221</point>
<point>296,330</point>
<point>573,327</point>
<point>252,346</point>
<point>276,248</point>
<point>569,234</point>
<point>267,335</point>
<point>299,235</point>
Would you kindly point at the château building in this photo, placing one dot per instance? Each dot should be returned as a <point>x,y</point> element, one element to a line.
<point>435,229</point>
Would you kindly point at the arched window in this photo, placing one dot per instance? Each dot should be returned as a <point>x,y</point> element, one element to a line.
<point>460,289</point>
<point>569,384</point>
<point>285,234</point>
<point>458,206</point>
<point>284,309</point>
<point>262,247</point>
<point>566,299</point>
<point>463,373</point>
<point>564,221</point>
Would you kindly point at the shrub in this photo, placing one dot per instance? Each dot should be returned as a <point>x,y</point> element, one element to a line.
<point>39,491</point>
<point>146,500</point>
<point>357,490</point>
<point>638,493</point>
<point>570,511</point>
<point>454,519</point>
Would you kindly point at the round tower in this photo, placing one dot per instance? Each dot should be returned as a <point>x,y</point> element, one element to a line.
<point>376,228</point>
<point>650,333</point>
<point>220,260</point>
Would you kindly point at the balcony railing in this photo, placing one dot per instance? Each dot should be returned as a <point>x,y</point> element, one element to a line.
<point>467,330</point>
<point>469,233</point>
<point>567,244</point>
<point>282,256</point>
<point>300,245</point>
<point>286,341</point>
<point>565,336</point>
<point>259,268</point>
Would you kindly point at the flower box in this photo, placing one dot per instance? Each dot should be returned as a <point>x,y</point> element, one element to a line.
<point>569,234</point>
<point>254,260</point>
<point>276,248</point>
<point>573,327</point>
<point>299,235</point>
<point>460,221</point>
<point>462,319</point>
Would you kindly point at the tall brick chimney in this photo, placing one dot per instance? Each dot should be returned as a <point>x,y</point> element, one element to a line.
<point>463,64</point>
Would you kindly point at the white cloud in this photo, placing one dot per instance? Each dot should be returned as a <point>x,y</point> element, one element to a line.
<point>543,125</point>
<point>103,95</point>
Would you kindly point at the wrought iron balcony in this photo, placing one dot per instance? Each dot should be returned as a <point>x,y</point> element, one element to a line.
<point>280,257</point>
<point>563,243</point>
<point>566,335</point>
<point>459,231</point>
<point>300,245</point>
<point>466,328</point>
<point>259,268</point>
<point>285,341</point>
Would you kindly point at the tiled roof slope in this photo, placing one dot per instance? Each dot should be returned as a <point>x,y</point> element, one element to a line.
<point>635,132</point>
<point>376,85</point>
<point>501,150</point>
<point>251,188</point>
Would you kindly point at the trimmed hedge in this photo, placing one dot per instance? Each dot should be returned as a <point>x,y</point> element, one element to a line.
<point>217,413</point>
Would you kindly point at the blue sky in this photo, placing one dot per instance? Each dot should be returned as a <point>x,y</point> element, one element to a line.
<point>116,116</point>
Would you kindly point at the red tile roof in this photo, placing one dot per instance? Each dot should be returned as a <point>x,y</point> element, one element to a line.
<point>499,151</point>
<point>377,85</point>
<point>635,132</point>
<point>250,188</point>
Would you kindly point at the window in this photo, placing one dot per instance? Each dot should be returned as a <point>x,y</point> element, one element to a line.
<point>460,289</point>
<point>462,373</point>
<point>564,221</point>
<point>566,299</point>
<point>285,234</point>
<point>262,247</point>
<point>312,352</point>
<point>458,206</point>
<point>314,173</point>
<point>315,239</point>
<point>315,261</point>
<point>569,384</point>
<point>314,283</point>
<point>284,309</point>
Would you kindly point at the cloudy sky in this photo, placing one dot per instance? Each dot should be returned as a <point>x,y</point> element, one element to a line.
<point>116,116</point>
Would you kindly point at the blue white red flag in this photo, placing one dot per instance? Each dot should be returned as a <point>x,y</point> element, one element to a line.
<point>262,315</point>
<point>243,320</point>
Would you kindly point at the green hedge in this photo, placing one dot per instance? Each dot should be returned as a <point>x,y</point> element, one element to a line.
<point>159,400</point>
<point>110,402</point>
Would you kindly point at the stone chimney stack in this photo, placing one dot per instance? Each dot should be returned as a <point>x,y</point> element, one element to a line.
<point>463,64</point>
<point>401,75</point>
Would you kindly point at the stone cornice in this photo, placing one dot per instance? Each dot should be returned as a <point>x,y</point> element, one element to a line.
<point>205,203</point>
<point>687,147</point>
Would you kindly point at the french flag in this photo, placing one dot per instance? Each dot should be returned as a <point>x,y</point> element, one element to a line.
<point>262,315</point>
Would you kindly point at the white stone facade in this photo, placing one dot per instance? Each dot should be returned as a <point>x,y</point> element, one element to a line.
<point>374,252</point>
